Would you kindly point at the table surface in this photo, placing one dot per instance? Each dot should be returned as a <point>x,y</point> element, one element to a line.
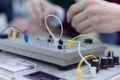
<point>69,74</point>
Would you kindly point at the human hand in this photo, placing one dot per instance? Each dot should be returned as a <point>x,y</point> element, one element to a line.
<point>38,9</point>
<point>24,25</point>
<point>94,16</point>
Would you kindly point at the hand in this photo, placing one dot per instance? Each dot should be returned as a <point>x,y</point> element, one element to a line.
<point>94,16</point>
<point>25,25</point>
<point>38,9</point>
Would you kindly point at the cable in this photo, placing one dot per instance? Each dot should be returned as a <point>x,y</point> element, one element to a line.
<point>80,63</point>
<point>25,35</point>
<point>55,39</point>
<point>14,33</point>
<point>79,72</point>
<point>85,35</point>
<point>12,27</point>
<point>82,55</point>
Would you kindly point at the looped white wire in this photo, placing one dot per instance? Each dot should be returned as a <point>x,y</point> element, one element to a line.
<point>50,15</point>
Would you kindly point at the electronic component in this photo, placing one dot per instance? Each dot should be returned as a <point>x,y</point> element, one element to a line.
<point>104,63</point>
<point>43,51</point>
<point>3,36</point>
<point>95,63</point>
<point>88,41</point>
<point>60,42</point>
<point>116,60</point>
<point>42,76</point>
<point>110,62</point>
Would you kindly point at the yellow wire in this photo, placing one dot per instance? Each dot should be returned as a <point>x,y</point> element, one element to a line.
<point>79,72</point>
<point>14,33</point>
<point>85,35</point>
<point>81,61</point>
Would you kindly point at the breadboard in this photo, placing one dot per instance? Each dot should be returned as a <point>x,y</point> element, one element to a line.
<point>42,50</point>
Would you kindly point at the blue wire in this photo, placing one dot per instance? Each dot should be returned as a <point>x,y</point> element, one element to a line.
<point>13,27</point>
<point>25,35</point>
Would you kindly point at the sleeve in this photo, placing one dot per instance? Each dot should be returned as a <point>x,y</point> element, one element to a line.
<point>115,1</point>
<point>6,7</point>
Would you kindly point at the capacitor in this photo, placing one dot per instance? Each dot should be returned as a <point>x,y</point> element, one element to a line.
<point>116,60</point>
<point>95,63</point>
<point>104,63</point>
<point>110,62</point>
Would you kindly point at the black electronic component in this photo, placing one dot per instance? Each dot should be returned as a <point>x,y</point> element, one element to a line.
<point>60,42</point>
<point>95,63</point>
<point>50,37</point>
<point>42,76</point>
<point>104,63</point>
<point>116,60</point>
<point>3,36</point>
<point>110,62</point>
<point>49,40</point>
<point>60,47</point>
<point>88,41</point>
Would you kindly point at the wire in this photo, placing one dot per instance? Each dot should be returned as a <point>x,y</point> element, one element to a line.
<point>85,35</point>
<point>12,27</point>
<point>79,71</point>
<point>82,55</point>
<point>55,39</point>
<point>88,56</point>
<point>25,35</point>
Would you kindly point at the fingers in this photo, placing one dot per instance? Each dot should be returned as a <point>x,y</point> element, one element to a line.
<point>79,18</point>
<point>83,25</point>
<point>74,9</point>
<point>48,8</point>
<point>35,11</point>
<point>31,11</point>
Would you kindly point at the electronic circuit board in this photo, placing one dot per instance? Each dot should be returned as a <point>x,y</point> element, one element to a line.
<point>40,49</point>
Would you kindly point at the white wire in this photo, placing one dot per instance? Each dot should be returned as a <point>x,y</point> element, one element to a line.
<point>55,39</point>
<point>79,51</point>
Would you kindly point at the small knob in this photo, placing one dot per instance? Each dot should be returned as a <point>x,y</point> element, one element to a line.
<point>60,42</point>
<point>60,47</point>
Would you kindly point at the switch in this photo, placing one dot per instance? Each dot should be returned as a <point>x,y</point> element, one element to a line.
<point>88,41</point>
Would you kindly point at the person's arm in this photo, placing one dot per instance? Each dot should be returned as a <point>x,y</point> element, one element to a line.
<point>95,16</point>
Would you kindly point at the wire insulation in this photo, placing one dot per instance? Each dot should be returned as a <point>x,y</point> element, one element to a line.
<point>55,39</point>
